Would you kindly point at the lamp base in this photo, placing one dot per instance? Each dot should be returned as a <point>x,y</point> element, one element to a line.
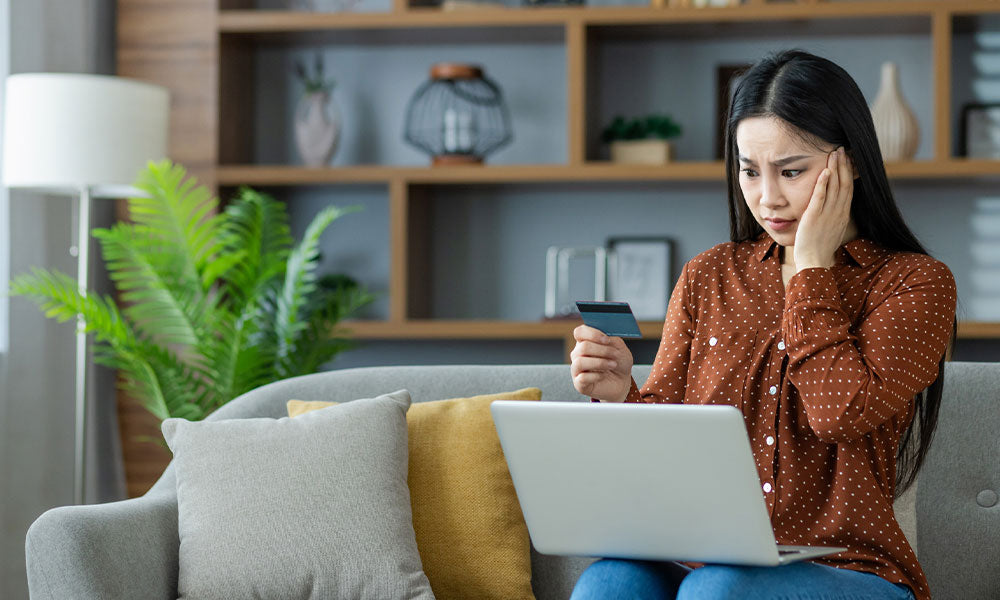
<point>456,159</point>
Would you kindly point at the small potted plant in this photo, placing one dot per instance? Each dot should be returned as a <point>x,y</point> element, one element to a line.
<point>317,120</point>
<point>641,140</point>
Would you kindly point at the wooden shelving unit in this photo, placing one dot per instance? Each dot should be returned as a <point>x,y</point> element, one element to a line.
<point>202,50</point>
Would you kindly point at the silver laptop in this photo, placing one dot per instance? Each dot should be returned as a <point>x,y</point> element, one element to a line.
<point>656,482</point>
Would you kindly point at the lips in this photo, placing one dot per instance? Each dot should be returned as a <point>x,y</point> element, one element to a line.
<point>779,224</point>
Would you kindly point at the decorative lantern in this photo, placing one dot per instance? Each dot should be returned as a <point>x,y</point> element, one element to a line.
<point>458,117</point>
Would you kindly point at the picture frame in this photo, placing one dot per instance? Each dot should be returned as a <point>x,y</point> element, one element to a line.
<point>979,131</point>
<point>640,272</point>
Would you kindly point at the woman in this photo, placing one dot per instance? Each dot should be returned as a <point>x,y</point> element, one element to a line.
<point>824,320</point>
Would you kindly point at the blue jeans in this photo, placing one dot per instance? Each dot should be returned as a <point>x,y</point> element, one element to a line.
<point>611,579</point>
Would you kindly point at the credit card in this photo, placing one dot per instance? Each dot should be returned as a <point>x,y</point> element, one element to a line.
<point>612,318</point>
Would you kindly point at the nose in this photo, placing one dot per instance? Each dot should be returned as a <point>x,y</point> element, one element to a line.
<point>771,195</point>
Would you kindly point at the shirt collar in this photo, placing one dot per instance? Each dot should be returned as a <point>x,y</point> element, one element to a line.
<point>863,251</point>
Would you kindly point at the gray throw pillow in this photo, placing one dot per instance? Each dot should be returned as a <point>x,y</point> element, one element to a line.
<point>313,507</point>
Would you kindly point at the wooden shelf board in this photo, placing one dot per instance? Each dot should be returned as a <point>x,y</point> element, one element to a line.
<point>272,175</point>
<point>447,329</point>
<point>971,330</point>
<point>271,21</point>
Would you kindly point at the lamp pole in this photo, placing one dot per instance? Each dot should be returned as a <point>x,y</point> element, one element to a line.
<point>83,264</point>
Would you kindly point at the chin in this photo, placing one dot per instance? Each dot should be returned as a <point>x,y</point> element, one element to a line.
<point>784,238</point>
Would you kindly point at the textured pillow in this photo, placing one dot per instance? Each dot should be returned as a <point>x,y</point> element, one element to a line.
<point>470,531</point>
<point>315,507</point>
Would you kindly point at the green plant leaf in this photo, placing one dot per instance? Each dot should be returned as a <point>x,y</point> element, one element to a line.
<point>299,284</point>
<point>215,305</point>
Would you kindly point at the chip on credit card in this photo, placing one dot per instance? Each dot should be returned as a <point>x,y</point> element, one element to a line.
<point>612,318</point>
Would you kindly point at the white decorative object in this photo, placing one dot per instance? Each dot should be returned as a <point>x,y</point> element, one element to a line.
<point>895,124</point>
<point>557,285</point>
<point>317,128</point>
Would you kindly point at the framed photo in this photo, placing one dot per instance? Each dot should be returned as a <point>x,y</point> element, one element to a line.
<point>640,272</point>
<point>979,131</point>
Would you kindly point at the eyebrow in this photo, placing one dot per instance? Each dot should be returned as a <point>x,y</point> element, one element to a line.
<point>778,163</point>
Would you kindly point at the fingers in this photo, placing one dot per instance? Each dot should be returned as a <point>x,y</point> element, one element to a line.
<point>844,163</point>
<point>593,349</point>
<point>586,364</point>
<point>833,186</point>
<point>819,193</point>
<point>586,333</point>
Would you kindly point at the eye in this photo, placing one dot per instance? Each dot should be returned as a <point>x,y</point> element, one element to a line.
<point>750,172</point>
<point>791,173</point>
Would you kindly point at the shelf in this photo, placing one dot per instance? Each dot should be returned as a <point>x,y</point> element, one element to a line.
<point>275,22</point>
<point>470,329</point>
<point>541,330</point>
<point>973,330</point>
<point>266,175</point>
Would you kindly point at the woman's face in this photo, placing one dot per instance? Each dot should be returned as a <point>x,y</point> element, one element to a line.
<point>778,172</point>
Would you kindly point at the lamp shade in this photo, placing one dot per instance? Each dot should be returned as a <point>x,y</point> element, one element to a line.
<point>66,131</point>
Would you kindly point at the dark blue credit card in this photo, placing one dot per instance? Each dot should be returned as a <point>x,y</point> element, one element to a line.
<point>612,318</point>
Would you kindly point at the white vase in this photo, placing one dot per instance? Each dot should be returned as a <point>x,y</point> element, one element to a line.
<point>895,124</point>
<point>317,128</point>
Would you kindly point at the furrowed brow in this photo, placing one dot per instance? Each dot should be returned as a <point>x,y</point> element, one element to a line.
<point>778,163</point>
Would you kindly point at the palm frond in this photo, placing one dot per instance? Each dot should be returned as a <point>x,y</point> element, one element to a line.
<point>183,213</point>
<point>299,284</point>
<point>256,226</point>
<point>58,296</point>
<point>160,308</point>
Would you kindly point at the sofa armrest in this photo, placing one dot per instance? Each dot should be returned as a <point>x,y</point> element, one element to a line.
<point>124,549</point>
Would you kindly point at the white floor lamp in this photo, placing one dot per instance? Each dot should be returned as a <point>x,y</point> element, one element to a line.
<point>87,136</point>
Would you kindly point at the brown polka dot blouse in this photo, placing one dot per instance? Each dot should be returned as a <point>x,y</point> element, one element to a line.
<point>825,373</point>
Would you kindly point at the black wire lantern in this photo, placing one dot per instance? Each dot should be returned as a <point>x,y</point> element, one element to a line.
<point>458,117</point>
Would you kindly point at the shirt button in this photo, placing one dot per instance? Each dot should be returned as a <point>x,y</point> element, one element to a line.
<point>781,345</point>
<point>713,341</point>
<point>773,390</point>
<point>767,487</point>
<point>770,441</point>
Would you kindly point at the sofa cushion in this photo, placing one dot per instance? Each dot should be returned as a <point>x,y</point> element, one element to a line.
<point>470,531</point>
<point>315,507</point>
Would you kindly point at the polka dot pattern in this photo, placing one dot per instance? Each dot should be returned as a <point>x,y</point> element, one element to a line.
<point>825,372</point>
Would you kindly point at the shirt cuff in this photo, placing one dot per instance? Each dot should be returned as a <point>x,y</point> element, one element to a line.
<point>633,393</point>
<point>811,284</point>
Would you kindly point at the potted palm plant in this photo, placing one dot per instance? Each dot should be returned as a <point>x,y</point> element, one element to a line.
<point>641,140</point>
<point>211,304</point>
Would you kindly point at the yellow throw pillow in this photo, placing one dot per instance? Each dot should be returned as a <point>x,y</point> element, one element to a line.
<point>470,531</point>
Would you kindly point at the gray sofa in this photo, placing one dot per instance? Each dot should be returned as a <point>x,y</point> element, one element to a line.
<point>129,549</point>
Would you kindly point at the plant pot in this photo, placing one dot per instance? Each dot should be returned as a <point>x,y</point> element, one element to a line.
<point>641,152</point>
<point>317,128</point>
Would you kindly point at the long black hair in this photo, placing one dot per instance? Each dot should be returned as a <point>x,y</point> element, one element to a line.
<point>822,103</point>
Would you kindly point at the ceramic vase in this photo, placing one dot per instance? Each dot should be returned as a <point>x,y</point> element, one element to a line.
<point>895,124</point>
<point>317,128</point>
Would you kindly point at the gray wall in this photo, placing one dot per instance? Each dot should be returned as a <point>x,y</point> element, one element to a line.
<point>36,391</point>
